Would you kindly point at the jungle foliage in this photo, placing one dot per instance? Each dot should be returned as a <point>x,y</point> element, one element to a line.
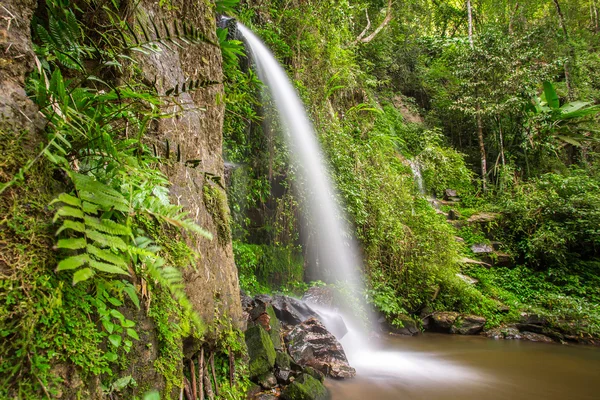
<point>520,92</point>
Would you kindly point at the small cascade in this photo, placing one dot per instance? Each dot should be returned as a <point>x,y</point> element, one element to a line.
<point>416,170</point>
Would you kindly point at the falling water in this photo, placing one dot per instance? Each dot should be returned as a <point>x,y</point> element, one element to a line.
<point>337,252</point>
<point>416,170</point>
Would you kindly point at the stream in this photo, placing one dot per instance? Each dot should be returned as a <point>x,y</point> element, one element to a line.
<point>437,366</point>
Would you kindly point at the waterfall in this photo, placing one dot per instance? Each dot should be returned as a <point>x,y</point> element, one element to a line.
<point>416,170</point>
<point>337,251</point>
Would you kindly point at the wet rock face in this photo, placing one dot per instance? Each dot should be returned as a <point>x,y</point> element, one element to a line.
<point>468,325</point>
<point>291,311</point>
<point>309,343</point>
<point>453,322</point>
<point>443,321</point>
<point>513,333</point>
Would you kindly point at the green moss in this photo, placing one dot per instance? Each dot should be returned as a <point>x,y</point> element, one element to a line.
<point>261,351</point>
<point>305,388</point>
<point>215,201</point>
<point>170,329</point>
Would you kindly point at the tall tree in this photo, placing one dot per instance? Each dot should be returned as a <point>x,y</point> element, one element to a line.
<point>482,153</point>
<point>571,59</point>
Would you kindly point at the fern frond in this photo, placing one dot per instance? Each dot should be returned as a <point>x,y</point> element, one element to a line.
<point>108,268</point>
<point>67,211</point>
<point>107,226</point>
<point>73,225</point>
<point>106,256</point>
<point>105,240</point>
<point>71,243</point>
<point>73,262</point>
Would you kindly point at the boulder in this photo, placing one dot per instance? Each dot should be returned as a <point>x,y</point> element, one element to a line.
<point>442,321</point>
<point>482,248</point>
<point>265,396</point>
<point>467,261</point>
<point>468,325</point>
<point>503,259</point>
<point>482,218</point>
<point>291,311</point>
<point>409,328</point>
<point>267,381</point>
<point>305,388</point>
<point>310,343</point>
<point>247,301</point>
<point>536,337</point>
<point>468,279</point>
<point>504,332</point>
<point>453,215</point>
<point>449,193</point>
<point>263,314</point>
<point>513,333</point>
<point>260,350</point>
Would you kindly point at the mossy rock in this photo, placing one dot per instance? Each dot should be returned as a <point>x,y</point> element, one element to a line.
<point>275,332</point>
<point>318,375</point>
<point>261,351</point>
<point>283,361</point>
<point>305,388</point>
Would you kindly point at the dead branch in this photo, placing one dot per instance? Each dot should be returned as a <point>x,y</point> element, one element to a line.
<point>384,23</point>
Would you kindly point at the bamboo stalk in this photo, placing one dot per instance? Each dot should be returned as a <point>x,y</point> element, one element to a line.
<point>193,375</point>
<point>208,384</point>
<point>201,373</point>
<point>231,366</point>
<point>188,389</point>
<point>212,367</point>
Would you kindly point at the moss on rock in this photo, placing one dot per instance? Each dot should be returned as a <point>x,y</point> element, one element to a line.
<point>261,351</point>
<point>305,388</point>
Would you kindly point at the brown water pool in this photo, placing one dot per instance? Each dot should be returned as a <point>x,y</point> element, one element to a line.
<point>434,366</point>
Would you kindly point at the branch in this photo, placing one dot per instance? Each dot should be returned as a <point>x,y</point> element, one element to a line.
<point>386,20</point>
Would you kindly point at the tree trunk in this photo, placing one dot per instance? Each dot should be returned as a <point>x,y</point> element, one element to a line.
<point>571,59</point>
<point>481,149</point>
<point>470,14</point>
<point>595,16</point>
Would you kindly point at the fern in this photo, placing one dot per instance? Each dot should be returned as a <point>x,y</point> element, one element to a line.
<point>102,242</point>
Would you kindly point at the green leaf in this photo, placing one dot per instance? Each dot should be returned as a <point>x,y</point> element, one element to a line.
<point>114,302</point>
<point>109,326</point>
<point>67,199</point>
<point>130,290</point>
<point>72,262</point>
<point>72,243</point>
<point>551,96</point>
<point>67,211</point>
<point>128,324</point>
<point>108,268</point>
<point>152,395</point>
<point>106,256</point>
<point>133,334</point>
<point>70,224</point>
<point>112,357</point>
<point>82,275</point>
<point>116,314</point>
<point>106,240</point>
<point>107,226</point>
<point>115,340</point>
<point>569,140</point>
